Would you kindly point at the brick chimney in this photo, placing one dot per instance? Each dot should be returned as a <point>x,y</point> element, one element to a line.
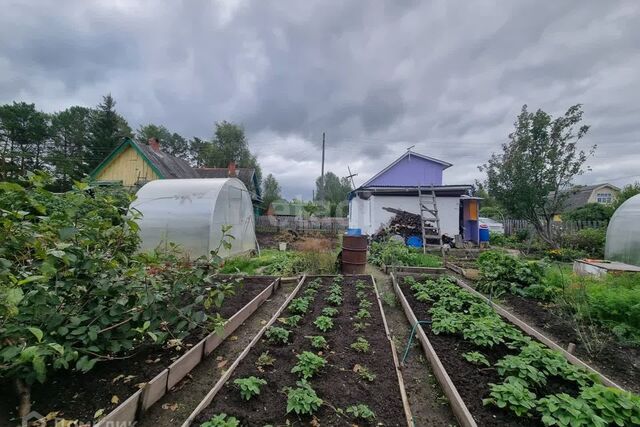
<point>154,143</point>
<point>232,169</point>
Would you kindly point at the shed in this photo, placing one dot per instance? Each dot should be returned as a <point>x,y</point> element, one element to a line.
<point>397,186</point>
<point>192,212</point>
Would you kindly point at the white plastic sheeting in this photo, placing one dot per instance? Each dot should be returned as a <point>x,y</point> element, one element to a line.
<point>623,233</point>
<point>192,212</point>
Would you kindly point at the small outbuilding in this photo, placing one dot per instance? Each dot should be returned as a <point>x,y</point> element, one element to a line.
<point>192,213</point>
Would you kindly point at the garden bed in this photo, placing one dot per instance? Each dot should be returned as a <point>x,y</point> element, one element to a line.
<point>147,374</point>
<point>618,361</point>
<point>346,378</point>
<point>461,332</point>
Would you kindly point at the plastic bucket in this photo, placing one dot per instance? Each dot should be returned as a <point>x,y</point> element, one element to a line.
<point>414,241</point>
<point>484,233</point>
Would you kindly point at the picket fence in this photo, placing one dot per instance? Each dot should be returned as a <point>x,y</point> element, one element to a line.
<point>512,226</point>
<point>269,223</point>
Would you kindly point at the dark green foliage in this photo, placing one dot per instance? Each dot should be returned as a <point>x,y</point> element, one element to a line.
<point>318,341</point>
<point>540,160</point>
<point>329,311</point>
<point>308,364</point>
<point>323,323</point>
<point>500,272</point>
<point>249,386</point>
<point>221,420</point>
<point>361,411</point>
<point>361,345</point>
<point>589,212</point>
<point>589,241</point>
<point>396,253</point>
<point>277,335</point>
<point>299,305</point>
<point>303,399</point>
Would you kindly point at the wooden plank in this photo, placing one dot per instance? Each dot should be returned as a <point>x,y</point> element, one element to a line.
<point>181,367</point>
<point>216,388</point>
<point>459,408</point>
<point>214,339</point>
<point>123,414</point>
<point>410,269</point>
<point>403,391</point>
<point>154,390</point>
<point>529,330</point>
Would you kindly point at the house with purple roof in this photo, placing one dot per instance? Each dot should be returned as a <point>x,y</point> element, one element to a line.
<point>396,186</point>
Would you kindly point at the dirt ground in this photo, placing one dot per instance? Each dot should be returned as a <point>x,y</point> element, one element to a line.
<point>313,241</point>
<point>178,404</point>
<point>429,406</point>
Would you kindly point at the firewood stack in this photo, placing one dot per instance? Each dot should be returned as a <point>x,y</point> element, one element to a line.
<point>405,224</point>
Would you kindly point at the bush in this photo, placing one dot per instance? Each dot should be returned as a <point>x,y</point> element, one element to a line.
<point>564,254</point>
<point>391,252</point>
<point>500,272</point>
<point>590,241</point>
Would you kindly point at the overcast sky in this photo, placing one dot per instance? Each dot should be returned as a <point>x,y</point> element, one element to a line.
<point>378,76</point>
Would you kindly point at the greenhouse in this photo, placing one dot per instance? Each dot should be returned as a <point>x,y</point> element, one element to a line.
<point>623,234</point>
<point>192,214</point>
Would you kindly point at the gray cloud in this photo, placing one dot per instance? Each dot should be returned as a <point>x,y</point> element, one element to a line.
<point>377,76</point>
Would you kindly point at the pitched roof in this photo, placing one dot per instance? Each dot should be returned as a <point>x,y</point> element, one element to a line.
<point>163,164</point>
<point>399,159</point>
<point>579,196</point>
<point>244,174</point>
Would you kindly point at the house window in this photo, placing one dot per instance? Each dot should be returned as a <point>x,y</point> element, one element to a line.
<point>605,198</point>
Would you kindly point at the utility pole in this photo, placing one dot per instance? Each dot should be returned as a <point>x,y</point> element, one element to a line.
<point>321,195</point>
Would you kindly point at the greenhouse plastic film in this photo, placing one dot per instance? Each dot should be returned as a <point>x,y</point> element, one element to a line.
<point>623,233</point>
<point>192,212</point>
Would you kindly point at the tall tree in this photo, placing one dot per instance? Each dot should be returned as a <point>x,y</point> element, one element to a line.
<point>539,161</point>
<point>171,143</point>
<point>70,130</point>
<point>271,191</point>
<point>24,133</point>
<point>230,144</point>
<point>107,131</point>
<point>335,193</point>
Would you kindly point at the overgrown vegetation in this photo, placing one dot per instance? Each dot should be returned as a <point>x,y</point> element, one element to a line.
<point>282,263</point>
<point>73,291</point>
<point>391,252</point>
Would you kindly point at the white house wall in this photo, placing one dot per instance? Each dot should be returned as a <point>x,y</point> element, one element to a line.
<point>369,215</point>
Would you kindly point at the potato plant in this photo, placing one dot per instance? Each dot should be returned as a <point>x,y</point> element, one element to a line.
<point>526,371</point>
<point>361,411</point>
<point>323,323</point>
<point>318,341</point>
<point>221,420</point>
<point>302,400</point>
<point>361,345</point>
<point>277,335</point>
<point>308,365</point>
<point>249,386</point>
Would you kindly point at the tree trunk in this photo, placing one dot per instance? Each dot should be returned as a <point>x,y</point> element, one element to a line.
<point>24,396</point>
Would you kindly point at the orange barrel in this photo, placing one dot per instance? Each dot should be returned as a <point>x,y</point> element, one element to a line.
<point>354,254</point>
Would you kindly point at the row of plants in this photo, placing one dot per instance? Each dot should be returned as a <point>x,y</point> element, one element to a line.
<point>611,302</point>
<point>536,384</point>
<point>282,263</point>
<point>392,252</point>
<point>312,366</point>
<point>74,292</point>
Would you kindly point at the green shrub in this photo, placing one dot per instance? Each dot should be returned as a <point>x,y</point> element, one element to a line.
<point>588,241</point>
<point>500,272</point>
<point>392,252</point>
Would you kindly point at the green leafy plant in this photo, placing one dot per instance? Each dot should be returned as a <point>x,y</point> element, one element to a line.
<point>308,364</point>
<point>364,304</point>
<point>221,420</point>
<point>360,326</point>
<point>614,406</point>
<point>249,386</point>
<point>512,394</point>
<point>329,311</point>
<point>476,358</point>
<point>323,323</point>
<point>564,410</point>
<point>265,359</point>
<point>360,345</point>
<point>303,399</point>
<point>397,253</point>
<point>277,335</point>
<point>361,411</point>
<point>364,373</point>
<point>361,285</point>
<point>334,299</point>
<point>363,313</point>
<point>293,320</point>
<point>299,305</point>
<point>318,341</point>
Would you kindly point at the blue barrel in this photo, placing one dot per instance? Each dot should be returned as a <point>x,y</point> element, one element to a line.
<point>414,241</point>
<point>354,232</point>
<point>484,233</point>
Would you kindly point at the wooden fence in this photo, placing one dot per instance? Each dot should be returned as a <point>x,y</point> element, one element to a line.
<point>277,223</point>
<point>512,226</point>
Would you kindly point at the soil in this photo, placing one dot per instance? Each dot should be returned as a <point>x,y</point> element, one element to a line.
<point>471,381</point>
<point>429,405</point>
<point>75,395</point>
<point>181,400</point>
<point>337,384</point>
<point>618,362</point>
<point>299,240</point>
